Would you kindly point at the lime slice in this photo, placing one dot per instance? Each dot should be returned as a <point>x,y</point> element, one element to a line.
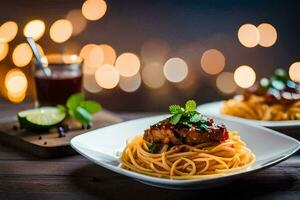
<point>41,118</point>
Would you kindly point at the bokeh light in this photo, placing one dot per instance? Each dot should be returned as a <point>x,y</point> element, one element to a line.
<point>16,85</point>
<point>22,55</point>
<point>85,50</point>
<point>155,50</point>
<point>128,64</point>
<point>130,84</point>
<point>175,70</point>
<point>248,35</point>
<point>107,76</point>
<point>153,75</point>
<point>93,9</point>
<point>213,61</point>
<point>16,98</point>
<point>244,76</point>
<point>3,50</point>
<point>294,72</point>
<point>225,83</point>
<point>61,30</point>
<point>109,54</point>
<point>95,58</point>
<point>90,84</point>
<point>77,20</point>
<point>267,35</point>
<point>8,31</point>
<point>34,29</point>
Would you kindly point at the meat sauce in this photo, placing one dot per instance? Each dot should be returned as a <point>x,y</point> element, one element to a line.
<point>166,133</point>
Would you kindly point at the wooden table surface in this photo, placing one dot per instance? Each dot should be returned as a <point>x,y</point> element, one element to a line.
<point>23,176</point>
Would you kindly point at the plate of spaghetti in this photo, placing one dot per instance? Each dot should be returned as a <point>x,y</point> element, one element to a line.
<point>272,102</point>
<point>185,149</point>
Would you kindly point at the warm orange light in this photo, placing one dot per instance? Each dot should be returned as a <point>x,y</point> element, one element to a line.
<point>130,84</point>
<point>61,30</point>
<point>248,35</point>
<point>16,98</point>
<point>109,54</point>
<point>34,29</point>
<point>94,58</point>
<point>213,61</point>
<point>267,34</point>
<point>90,84</point>
<point>128,64</point>
<point>244,76</point>
<point>93,9</point>
<point>175,70</point>
<point>85,50</point>
<point>225,82</point>
<point>155,50</point>
<point>153,75</point>
<point>294,72</point>
<point>77,20</point>
<point>8,31</point>
<point>16,85</point>
<point>3,50</point>
<point>107,76</point>
<point>22,55</point>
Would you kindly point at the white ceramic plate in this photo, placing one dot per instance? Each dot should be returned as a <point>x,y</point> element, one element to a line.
<point>103,147</point>
<point>214,108</point>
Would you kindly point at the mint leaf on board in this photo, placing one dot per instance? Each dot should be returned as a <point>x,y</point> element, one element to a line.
<point>175,119</point>
<point>82,115</point>
<point>91,106</point>
<point>190,106</point>
<point>74,101</point>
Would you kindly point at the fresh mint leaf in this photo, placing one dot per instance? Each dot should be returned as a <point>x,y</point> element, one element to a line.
<point>196,118</point>
<point>175,109</point>
<point>91,106</point>
<point>190,106</point>
<point>83,115</point>
<point>74,101</point>
<point>175,119</point>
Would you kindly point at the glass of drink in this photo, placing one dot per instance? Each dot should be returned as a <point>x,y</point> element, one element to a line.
<point>65,79</point>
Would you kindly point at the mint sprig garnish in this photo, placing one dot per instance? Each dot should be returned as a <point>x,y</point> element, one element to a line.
<point>188,116</point>
<point>79,108</point>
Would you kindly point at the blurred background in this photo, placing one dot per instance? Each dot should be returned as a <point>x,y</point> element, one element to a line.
<point>144,55</point>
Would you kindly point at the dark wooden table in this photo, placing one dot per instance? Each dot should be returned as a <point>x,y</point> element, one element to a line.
<point>26,177</point>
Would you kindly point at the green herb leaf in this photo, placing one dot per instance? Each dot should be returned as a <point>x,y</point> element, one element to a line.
<point>74,101</point>
<point>175,109</point>
<point>196,118</point>
<point>91,106</point>
<point>190,106</point>
<point>82,115</point>
<point>152,147</point>
<point>175,119</point>
<point>202,127</point>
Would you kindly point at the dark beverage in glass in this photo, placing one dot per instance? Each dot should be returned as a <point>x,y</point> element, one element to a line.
<point>65,80</point>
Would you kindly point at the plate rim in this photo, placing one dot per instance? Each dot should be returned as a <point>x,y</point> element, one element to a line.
<point>174,182</point>
<point>271,124</point>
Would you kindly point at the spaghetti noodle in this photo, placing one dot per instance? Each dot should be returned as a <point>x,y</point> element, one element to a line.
<point>256,108</point>
<point>188,162</point>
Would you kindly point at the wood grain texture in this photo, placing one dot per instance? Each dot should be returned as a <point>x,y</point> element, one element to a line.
<point>23,176</point>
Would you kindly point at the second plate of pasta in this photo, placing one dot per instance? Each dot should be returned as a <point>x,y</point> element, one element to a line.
<point>215,108</point>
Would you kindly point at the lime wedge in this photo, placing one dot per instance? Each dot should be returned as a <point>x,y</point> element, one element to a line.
<point>41,118</point>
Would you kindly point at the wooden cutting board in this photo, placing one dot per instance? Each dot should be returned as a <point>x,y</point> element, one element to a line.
<point>48,144</point>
